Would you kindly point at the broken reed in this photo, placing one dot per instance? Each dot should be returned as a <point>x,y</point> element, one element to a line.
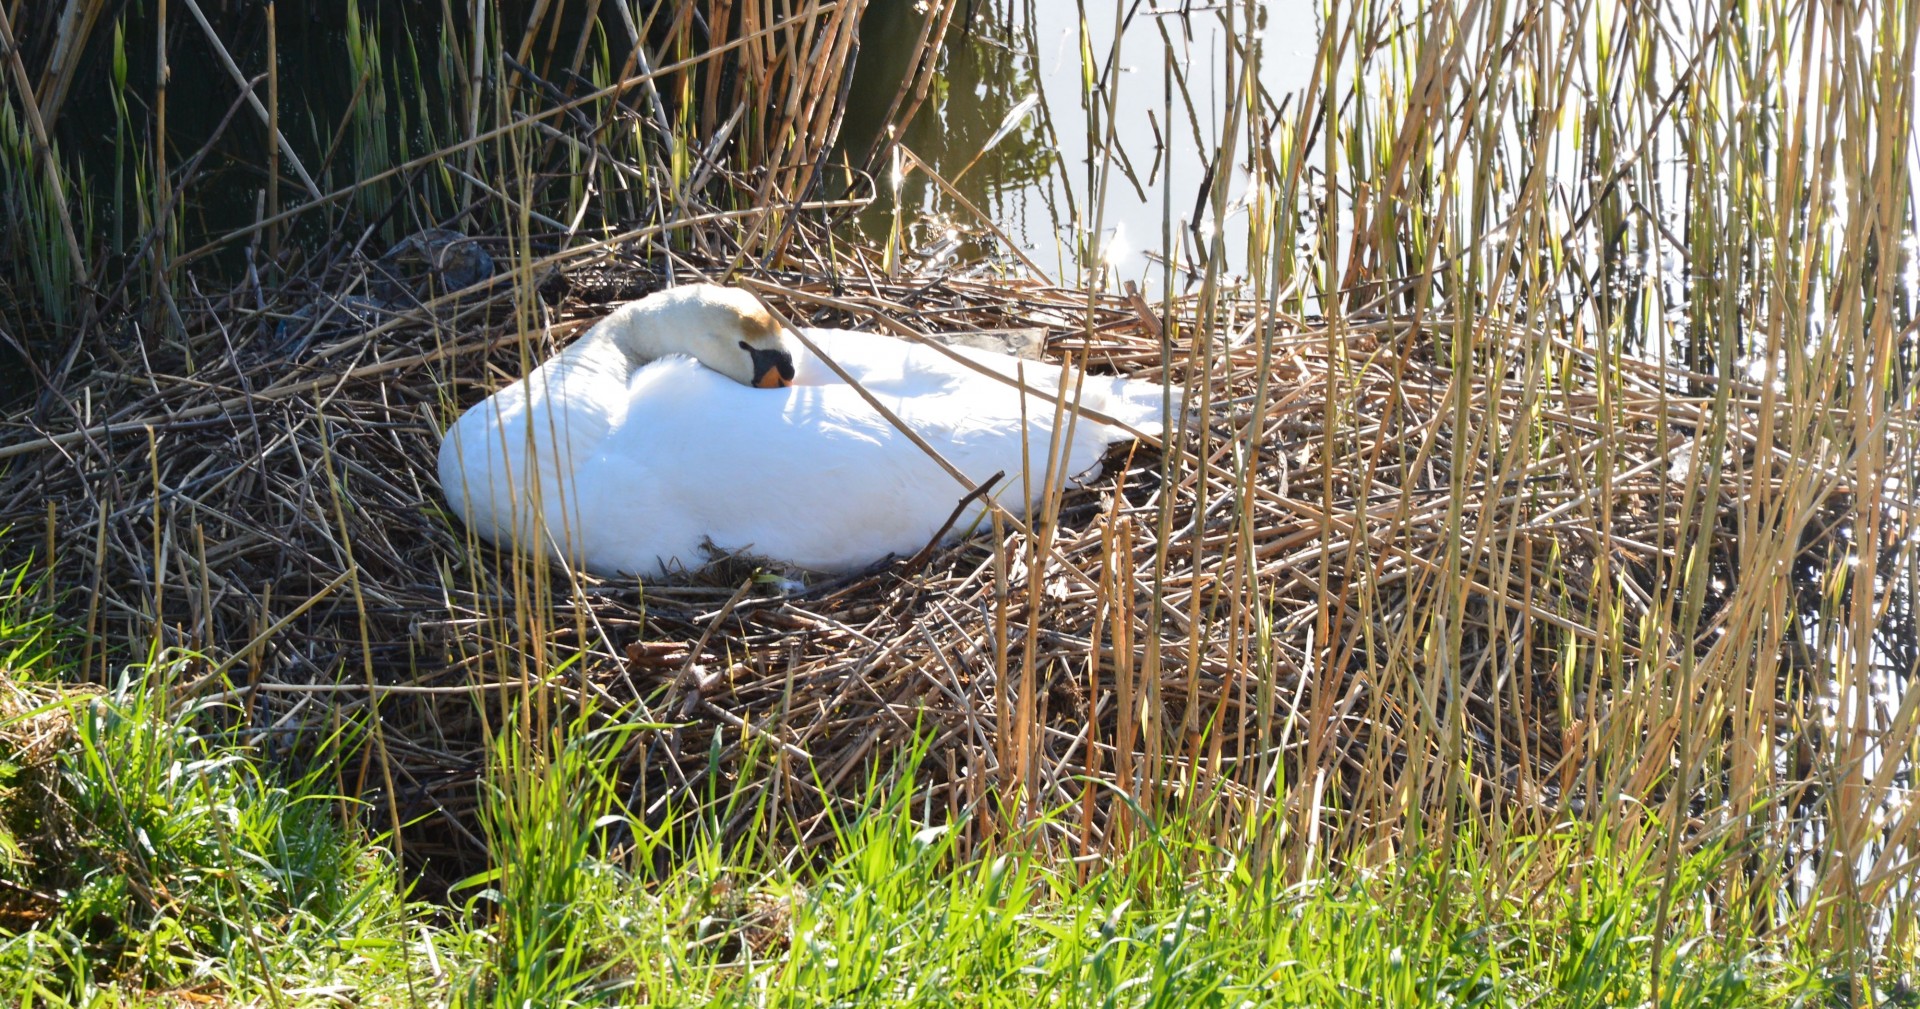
<point>1561,468</point>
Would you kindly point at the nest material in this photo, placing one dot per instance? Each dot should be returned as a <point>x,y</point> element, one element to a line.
<point>1220,627</point>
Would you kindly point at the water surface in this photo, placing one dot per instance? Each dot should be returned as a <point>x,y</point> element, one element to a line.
<point>1050,177</point>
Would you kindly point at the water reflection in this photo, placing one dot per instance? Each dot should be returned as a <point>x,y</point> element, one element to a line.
<point>986,75</point>
<point>1049,180</point>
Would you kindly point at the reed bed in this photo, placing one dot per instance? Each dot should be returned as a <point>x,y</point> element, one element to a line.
<point>294,521</point>
<point>1473,520</point>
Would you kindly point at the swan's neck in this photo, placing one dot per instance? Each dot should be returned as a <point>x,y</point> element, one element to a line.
<point>630,338</point>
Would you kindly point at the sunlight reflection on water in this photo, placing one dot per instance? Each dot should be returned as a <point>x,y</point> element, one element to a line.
<point>1042,182</point>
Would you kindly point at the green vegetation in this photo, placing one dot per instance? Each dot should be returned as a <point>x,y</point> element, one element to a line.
<point>164,865</point>
<point>168,868</point>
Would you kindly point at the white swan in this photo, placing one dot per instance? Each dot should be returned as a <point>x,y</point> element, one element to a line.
<point>689,418</point>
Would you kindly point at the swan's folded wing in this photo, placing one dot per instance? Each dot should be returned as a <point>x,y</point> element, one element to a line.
<point>890,366</point>
<point>506,464</point>
<point>811,476</point>
<point>881,364</point>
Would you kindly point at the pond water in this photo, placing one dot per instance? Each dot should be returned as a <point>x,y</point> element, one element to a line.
<point>1017,76</point>
<point>1005,122</point>
<point>1020,57</point>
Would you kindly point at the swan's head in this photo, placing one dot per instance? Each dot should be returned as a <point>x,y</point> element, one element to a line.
<point>726,329</point>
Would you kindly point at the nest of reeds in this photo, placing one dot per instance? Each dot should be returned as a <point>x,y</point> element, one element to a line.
<point>1266,601</point>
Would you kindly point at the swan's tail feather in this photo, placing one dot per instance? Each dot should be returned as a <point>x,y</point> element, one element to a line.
<point>1139,403</point>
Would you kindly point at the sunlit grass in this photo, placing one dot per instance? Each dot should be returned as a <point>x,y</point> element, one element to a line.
<point>162,862</point>
<point>190,872</point>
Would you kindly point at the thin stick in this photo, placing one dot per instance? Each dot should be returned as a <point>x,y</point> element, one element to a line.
<point>267,119</point>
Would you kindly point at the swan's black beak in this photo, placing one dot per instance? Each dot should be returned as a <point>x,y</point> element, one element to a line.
<point>772,369</point>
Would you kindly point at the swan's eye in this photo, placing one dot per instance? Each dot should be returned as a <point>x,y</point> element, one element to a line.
<point>772,369</point>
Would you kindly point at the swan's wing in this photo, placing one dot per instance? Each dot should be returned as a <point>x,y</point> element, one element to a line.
<point>504,464</point>
<point>810,475</point>
<point>1137,403</point>
<point>887,365</point>
<point>876,361</point>
<point>972,420</point>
